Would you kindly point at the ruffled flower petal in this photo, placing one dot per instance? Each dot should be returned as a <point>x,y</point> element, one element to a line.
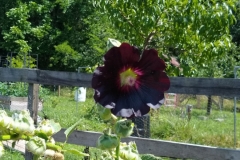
<point>153,67</point>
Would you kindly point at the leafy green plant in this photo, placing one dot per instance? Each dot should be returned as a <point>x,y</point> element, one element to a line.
<point>21,61</point>
<point>39,140</point>
<point>18,89</point>
<point>110,140</point>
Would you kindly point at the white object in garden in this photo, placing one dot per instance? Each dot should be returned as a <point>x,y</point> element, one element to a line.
<point>80,94</point>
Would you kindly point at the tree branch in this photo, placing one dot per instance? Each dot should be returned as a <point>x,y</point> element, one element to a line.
<point>150,36</point>
<point>148,39</point>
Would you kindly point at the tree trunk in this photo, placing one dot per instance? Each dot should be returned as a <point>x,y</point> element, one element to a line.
<point>209,105</point>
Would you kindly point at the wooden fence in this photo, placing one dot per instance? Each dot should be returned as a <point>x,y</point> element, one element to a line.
<point>198,86</point>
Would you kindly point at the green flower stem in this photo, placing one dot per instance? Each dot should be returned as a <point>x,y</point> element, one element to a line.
<point>6,137</point>
<point>53,147</point>
<point>118,149</point>
<point>117,152</point>
<point>23,137</point>
<point>107,131</point>
<point>9,137</point>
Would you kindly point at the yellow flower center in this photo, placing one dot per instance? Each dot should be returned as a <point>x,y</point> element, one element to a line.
<point>128,77</point>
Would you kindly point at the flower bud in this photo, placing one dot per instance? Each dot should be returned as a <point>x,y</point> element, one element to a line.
<point>124,127</point>
<point>129,151</point>
<point>45,127</point>
<point>58,156</point>
<point>5,120</point>
<point>104,113</point>
<point>36,145</point>
<point>51,154</point>
<point>22,128</point>
<point>107,142</point>
<point>22,123</point>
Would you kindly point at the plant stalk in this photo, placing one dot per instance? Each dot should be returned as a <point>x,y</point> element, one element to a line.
<point>12,137</point>
<point>117,151</point>
<point>53,147</point>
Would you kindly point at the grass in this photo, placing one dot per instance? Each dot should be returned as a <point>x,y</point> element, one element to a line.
<point>10,154</point>
<point>166,123</point>
<point>171,124</point>
<point>67,111</point>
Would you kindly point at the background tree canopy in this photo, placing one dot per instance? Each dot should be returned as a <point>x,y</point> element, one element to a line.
<point>64,34</point>
<point>194,31</point>
<point>70,34</point>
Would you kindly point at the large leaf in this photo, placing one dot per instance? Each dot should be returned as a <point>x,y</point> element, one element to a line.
<point>71,129</point>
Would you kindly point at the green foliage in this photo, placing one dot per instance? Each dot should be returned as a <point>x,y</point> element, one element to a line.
<point>64,4</point>
<point>235,32</point>
<point>149,157</point>
<point>100,30</point>
<point>194,31</point>
<point>65,57</point>
<point>68,131</point>
<point>13,89</point>
<point>21,33</point>
<point>22,61</point>
<point>65,34</point>
<point>19,89</point>
<point>27,26</point>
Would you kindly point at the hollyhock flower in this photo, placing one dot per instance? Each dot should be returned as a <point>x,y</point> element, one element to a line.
<point>130,83</point>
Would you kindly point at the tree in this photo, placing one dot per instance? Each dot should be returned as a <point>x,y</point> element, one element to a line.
<point>194,31</point>
<point>25,27</point>
<point>86,34</point>
<point>235,32</point>
<point>64,34</point>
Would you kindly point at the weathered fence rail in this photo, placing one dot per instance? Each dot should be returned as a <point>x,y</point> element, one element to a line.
<point>157,147</point>
<point>201,86</point>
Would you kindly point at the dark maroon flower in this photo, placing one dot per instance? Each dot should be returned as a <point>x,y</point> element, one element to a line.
<point>130,83</point>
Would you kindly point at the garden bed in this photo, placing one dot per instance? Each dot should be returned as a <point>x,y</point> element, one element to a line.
<point>16,103</point>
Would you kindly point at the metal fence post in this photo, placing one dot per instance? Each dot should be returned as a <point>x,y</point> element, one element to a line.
<point>141,126</point>
<point>235,110</point>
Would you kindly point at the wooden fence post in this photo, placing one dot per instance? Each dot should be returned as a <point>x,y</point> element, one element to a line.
<point>59,90</point>
<point>33,109</point>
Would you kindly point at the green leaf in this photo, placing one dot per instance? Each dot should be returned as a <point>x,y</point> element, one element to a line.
<point>36,157</point>
<point>70,129</point>
<point>56,126</point>
<point>42,135</point>
<point>76,152</point>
